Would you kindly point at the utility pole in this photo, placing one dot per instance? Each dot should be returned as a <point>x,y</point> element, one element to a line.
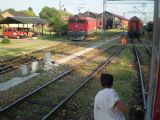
<point>59,5</point>
<point>144,6</point>
<point>113,20</point>
<point>103,16</point>
<point>124,17</point>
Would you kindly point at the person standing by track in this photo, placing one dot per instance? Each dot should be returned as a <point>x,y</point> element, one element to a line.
<point>107,105</point>
<point>123,38</point>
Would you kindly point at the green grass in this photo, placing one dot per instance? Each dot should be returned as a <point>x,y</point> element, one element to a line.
<point>99,33</point>
<point>124,74</point>
<point>109,31</point>
<point>53,37</point>
<point>17,47</point>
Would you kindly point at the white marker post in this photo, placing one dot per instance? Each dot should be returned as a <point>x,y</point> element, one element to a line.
<point>34,66</point>
<point>47,60</point>
<point>24,69</point>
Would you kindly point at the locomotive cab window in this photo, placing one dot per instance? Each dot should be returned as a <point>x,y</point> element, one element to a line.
<point>81,21</point>
<point>72,21</point>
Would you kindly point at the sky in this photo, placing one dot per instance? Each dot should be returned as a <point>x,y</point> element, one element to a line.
<point>76,6</point>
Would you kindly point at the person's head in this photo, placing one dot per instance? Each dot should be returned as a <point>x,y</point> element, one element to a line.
<point>106,80</point>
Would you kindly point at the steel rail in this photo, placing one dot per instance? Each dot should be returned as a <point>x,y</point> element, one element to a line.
<point>149,50</point>
<point>50,82</point>
<point>141,79</point>
<point>98,69</point>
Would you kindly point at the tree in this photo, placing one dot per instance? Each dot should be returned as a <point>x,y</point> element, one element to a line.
<point>30,9</point>
<point>29,12</point>
<point>10,10</point>
<point>54,18</point>
<point>1,16</point>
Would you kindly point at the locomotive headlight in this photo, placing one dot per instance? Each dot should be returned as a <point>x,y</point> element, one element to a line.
<point>14,33</point>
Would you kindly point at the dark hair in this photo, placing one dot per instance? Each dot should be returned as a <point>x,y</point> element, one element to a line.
<point>106,80</point>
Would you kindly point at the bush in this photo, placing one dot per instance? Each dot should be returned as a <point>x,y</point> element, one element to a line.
<point>6,41</point>
<point>64,29</point>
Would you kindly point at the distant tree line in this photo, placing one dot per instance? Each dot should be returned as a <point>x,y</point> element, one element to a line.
<point>28,12</point>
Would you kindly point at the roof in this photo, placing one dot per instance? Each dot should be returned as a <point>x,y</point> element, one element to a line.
<point>111,14</point>
<point>89,14</point>
<point>81,18</point>
<point>134,18</point>
<point>120,17</point>
<point>23,20</point>
<point>19,13</point>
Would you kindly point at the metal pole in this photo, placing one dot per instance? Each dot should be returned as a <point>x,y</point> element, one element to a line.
<point>42,30</point>
<point>59,5</point>
<point>113,20</point>
<point>103,17</point>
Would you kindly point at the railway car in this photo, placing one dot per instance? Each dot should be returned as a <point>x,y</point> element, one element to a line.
<point>153,107</point>
<point>80,27</point>
<point>150,26</point>
<point>135,27</point>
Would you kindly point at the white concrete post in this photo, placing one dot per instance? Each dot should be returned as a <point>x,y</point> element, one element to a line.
<point>24,69</point>
<point>34,66</point>
<point>47,59</point>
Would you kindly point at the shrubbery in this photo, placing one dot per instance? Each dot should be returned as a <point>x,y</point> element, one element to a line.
<point>56,19</point>
<point>6,41</point>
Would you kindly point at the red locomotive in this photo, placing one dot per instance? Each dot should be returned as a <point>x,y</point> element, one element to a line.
<point>135,27</point>
<point>80,27</point>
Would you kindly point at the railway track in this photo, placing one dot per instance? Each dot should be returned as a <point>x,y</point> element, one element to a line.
<point>147,48</point>
<point>7,67</point>
<point>139,98</point>
<point>30,98</point>
<point>65,100</point>
<point>14,63</point>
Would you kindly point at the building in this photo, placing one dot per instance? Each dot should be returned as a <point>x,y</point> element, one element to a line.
<point>16,14</point>
<point>111,20</point>
<point>13,14</point>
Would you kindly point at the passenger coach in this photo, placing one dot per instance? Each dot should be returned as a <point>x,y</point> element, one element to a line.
<point>135,27</point>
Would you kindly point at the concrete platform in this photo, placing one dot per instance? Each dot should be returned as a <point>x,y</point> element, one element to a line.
<point>15,81</point>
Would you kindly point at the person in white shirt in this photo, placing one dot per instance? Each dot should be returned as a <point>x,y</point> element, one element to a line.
<point>107,105</point>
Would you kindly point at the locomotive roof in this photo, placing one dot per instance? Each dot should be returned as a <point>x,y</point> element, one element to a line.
<point>134,18</point>
<point>82,18</point>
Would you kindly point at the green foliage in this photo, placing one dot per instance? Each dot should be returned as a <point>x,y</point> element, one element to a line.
<point>29,12</point>
<point>64,29</point>
<point>10,10</point>
<point>56,19</point>
<point>30,8</point>
<point>1,16</point>
<point>64,13</point>
<point>6,41</point>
